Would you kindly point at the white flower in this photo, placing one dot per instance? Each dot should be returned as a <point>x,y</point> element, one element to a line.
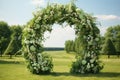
<point>92,60</point>
<point>32,48</point>
<point>84,62</point>
<point>88,65</point>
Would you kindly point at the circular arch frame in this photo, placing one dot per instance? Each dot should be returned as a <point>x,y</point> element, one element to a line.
<point>84,26</point>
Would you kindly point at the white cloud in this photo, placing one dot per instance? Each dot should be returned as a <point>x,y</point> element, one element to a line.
<point>38,2</point>
<point>107,17</point>
<point>102,30</point>
<point>9,22</point>
<point>14,21</point>
<point>2,19</point>
<point>58,36</point>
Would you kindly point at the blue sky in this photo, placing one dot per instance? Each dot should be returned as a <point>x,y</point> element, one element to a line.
<point>20,12</point>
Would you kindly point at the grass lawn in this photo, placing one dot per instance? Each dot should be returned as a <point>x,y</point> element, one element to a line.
<point>15,69</point>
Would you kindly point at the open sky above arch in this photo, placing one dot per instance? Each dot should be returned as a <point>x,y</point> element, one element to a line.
<point>20,12</point>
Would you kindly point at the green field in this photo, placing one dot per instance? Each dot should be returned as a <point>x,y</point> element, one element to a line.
<point>15,69</point>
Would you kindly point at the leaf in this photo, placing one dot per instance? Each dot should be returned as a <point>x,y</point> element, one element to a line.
<point>88,65</point>
<point>92,65</point>
<point>32,48</point>
<point>97,39</point>
<point>77,10</point>
<point>37,26</point>
<point>92,60</point>
<point>84,62</point>
<point>90,42</point>
<point>88,54</point>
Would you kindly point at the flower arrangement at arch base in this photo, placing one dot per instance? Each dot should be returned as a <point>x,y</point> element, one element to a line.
<point>43,66</point>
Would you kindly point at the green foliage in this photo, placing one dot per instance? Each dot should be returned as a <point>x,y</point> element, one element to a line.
<point>102,42</point>
<point>113,33</point>
<point>78,48</point>
<point>86,66</point>
<point>84,25</point>
<point>17,35</point>
<point>4,36</point>
<point>109,48</point>
<point>12,48</point>
<point>90,46</point>
<point>43,66</point>
<point>15,43</point>
<point>69,46</point>
<point>117,39</point>
<point>74,46</point>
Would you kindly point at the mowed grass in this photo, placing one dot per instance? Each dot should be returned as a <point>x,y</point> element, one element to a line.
<point>15,69</point>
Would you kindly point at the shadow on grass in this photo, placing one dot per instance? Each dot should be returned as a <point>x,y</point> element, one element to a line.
<point>8,62</point>
<point>102,74</point>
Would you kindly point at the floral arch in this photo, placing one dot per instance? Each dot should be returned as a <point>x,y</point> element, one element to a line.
<point>84,26</point>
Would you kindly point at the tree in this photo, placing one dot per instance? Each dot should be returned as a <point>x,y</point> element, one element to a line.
<point>66,46</point>
<point>117,46</point>
<point>77,45</point>
<point>4,36</point>
<point>73,46</point>
<point>102,42</point>
<point>117,39</point>
<point>69,46</point>
<point>113,33</point>
<point>12,48</point>
<point>15,43</point>
<point>109,48</point>
<point>17,35</point>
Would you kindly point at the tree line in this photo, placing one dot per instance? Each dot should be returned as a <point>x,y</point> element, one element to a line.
<point>110,43</point>
<point>10,39</point>
<point>73,45</point>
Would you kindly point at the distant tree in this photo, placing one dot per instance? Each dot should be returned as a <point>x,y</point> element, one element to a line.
<point>69,46</point>
<point>17,35</point>
<point>77,45</point>
<point>109,48</point>
<point>4,36</point>
<point>117,46</point>
<point>73,46</point>
<point>117,39</point>
<point>12,48</point>
<point>102,42</point>
<point>113,33</point>
<point>15,43</point>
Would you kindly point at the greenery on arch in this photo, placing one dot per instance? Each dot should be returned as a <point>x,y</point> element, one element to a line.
<point>84,26</point>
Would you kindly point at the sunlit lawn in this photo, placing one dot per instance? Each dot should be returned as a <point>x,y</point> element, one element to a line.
<point>15,69</point>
